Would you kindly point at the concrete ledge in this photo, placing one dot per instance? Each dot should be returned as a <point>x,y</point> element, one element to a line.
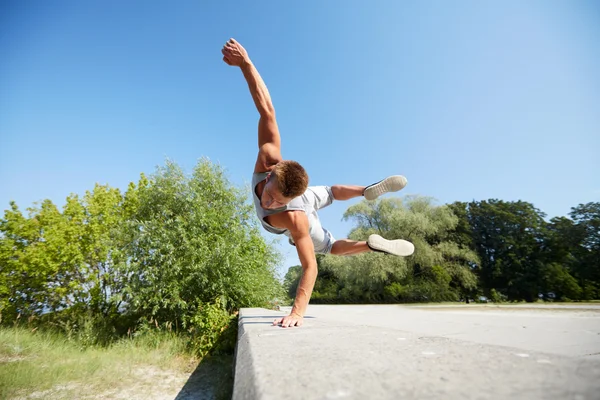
<point>395,352</point>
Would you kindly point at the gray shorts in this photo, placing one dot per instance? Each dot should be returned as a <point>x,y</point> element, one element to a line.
<point>315,198</point>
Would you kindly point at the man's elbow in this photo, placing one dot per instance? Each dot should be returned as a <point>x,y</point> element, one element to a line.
<point>268,113</point>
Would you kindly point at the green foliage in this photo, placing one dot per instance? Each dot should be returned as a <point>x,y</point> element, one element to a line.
<point>508,237</point>
<point>163,251</point>
<point>585,248</point>
<point>522,255</point>
<point>52,260</point>
<point>192,240</point>
<point>556,278</point>
<point>181,253</point>
<point>212,329</point>
<point>438,271</point>
<point>41,260</point>
<point>496,296</point>
<point>292,279</point>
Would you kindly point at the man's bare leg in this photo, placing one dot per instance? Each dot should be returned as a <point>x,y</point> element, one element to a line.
<point>371,192</point>
<point>346,192</point>
<point>347,247</point>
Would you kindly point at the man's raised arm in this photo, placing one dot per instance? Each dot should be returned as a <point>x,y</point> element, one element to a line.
<point>269,141</point>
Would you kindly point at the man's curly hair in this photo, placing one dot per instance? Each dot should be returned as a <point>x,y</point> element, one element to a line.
<point>292,179</point>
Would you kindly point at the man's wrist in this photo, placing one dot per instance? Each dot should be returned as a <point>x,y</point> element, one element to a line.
<point>296,313</point>
<point>246,63</point>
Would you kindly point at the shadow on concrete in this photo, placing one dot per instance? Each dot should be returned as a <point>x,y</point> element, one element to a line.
<point>259,316</point>
<point>211,380</point>
<point>268,316</point>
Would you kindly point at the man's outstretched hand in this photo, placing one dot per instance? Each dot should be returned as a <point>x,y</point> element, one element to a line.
<point>290,321</point>
<point>234,53</point>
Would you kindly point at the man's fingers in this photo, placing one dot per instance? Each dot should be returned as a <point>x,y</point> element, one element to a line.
<point>288,322</point>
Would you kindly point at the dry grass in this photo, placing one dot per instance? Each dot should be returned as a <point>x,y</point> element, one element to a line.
<point>42,365</point>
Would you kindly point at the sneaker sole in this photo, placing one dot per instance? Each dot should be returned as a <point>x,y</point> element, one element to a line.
<point>398,247</point>
<point>389,184</point>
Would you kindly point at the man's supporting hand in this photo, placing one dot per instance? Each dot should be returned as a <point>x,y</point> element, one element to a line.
<point>291,320</point>
<point>234,53</point>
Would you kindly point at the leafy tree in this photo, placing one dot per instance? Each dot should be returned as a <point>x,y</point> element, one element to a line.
<point>194,241</point>
<point>53,261</point>
<point>462,234</point>
<point>557,279</point>
<point>36,262</point>
<point>103,216</point>
<point>20,282</point>
<point>439,269</point>
<point>586,253</point>
<point>292,279</point>
<point>561,244</point>
<point>509,239</point>
<point>562,239</point>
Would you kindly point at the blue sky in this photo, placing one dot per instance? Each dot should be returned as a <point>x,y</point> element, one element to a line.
<point>470,100</point>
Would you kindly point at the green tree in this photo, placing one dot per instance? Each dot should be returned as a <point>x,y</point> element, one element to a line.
<point>22,285</point>
<point>440,269</point>
<point>509,238</point>
<point>561,244</point>
<point>557,279</point>
<point>193,241</point>
<point>292,279</point>
<point>103,216</point>
<point>462,234</point>
<point>586,254</point>
<point>40,260</point>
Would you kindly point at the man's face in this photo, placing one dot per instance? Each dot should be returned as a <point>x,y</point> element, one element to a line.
<point>271,197</point>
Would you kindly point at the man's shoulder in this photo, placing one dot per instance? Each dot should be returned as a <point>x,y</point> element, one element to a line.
<point>289,219</point>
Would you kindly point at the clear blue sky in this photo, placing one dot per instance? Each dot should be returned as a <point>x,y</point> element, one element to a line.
<point>470,100</point>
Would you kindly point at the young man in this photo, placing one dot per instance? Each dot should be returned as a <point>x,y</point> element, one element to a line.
<point>286,205</point>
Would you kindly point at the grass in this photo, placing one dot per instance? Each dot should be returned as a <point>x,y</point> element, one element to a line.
<point>47,365</point>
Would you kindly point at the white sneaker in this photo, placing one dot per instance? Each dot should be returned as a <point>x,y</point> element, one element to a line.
<point>389,184</point>
<point>398,247</point>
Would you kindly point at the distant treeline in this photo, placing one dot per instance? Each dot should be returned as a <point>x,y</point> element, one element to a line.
<point>183,253</point>
<point>489,250</point>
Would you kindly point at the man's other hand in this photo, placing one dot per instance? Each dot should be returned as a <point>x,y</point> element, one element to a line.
<point>234,53</point>
<point>291,320</point>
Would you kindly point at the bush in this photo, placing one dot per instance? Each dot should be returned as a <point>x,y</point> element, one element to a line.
<point>394,291</point>
<point>211,329</point>
<point>193,239</point>
<point>497,297</point>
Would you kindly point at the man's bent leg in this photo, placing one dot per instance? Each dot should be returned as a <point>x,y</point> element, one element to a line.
<point>371,192</point>
<point>346,247</point>
<point>398,247</point>
<point>346,192</point>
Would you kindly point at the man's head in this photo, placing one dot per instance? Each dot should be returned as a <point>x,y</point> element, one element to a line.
<point>287,180</point>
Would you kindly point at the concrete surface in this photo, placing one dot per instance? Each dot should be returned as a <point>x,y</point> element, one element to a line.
<point>420,352</point>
